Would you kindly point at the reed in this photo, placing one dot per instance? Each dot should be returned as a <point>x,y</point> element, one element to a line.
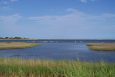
<point>102,47</point>
<point>16,45</point>
<point>50,68</point>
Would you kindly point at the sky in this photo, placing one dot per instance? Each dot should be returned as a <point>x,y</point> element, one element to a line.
<point>58,19</point>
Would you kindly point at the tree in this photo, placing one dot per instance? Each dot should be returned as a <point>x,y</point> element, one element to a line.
<point>15,37</point>
<point>10,37</point>
<point>6,37</point>
<point>19,38</point>
<point>24,38</point>
<point>1,37</point>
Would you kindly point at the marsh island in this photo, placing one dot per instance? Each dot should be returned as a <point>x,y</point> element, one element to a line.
<point>16,45</point>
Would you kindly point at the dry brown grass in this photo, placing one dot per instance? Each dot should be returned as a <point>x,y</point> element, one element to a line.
<point>102,44</point>
<point>102,47</point>
<point>13,44</point>
<point>16,45</point>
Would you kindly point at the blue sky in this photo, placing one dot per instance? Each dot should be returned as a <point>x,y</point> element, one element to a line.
<point>58,19</point>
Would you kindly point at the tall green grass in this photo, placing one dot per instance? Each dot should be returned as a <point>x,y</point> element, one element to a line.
<point>50,68</point>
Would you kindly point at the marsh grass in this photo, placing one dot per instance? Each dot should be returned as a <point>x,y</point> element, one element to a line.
<point>49,68</point>
<point>17,45</point>
<point>102,47</point>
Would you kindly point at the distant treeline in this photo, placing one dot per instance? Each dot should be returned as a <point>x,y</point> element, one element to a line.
<point>13,38</point>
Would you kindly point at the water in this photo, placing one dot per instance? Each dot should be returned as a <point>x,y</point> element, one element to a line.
<point>60,51</point>
<point>61,41</point>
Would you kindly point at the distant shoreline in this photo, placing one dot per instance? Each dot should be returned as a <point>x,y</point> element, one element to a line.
<point>57,39</point>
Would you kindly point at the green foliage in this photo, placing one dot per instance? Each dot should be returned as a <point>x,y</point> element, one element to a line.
<point>6,38</point>
<point>1,38</point>
<point>45,68</point>
<point>14,38</point>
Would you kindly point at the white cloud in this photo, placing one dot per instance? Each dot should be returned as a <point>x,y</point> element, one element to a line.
<point>9,20</point>
<point>14,0</point>
<point>4,2</point>
<point>74,19</point>
<point>83,1</point>
<point>6,8</point>
<point>74,23</point>
<point>92,0</point>
<point>8,26</point>
<point>71,9</point>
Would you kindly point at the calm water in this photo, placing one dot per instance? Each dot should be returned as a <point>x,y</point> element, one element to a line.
<point>60,51</point>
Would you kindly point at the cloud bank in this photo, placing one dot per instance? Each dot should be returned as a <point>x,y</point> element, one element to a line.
<point>76,25</point>
<point>92,0</point>
<point>83,1</point>
<point>4,2</point>
<point>10,20</point>
<point>76,18</point>
<point>14,0</point>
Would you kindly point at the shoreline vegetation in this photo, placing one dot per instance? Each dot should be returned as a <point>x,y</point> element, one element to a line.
<point>58,39</point>
<point>49,68</point>
<point>23,38</point>
<point>16,45</point>
<point>14,38</point>
<point>102,47</point>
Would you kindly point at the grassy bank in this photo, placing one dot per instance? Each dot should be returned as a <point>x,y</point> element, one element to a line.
<point>102,47</point>
<point>45,68</point>
<point>16,45</point>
